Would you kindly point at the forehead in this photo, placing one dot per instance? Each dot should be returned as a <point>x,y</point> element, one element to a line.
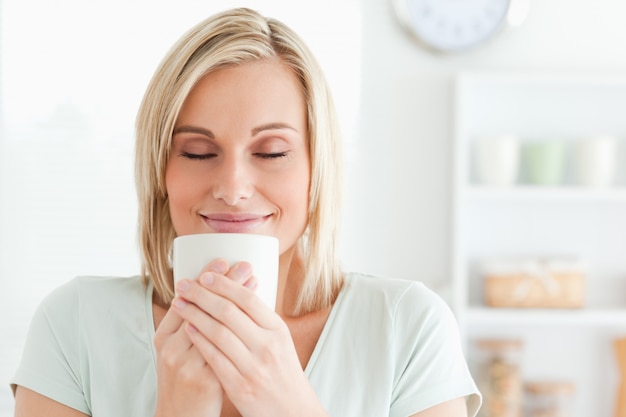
<point>259,89</point>
<point>265,77</point>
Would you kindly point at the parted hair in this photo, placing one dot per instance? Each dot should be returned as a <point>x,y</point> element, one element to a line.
<point>229,38</point>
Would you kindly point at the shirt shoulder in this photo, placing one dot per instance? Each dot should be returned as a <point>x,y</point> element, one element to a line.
<point>78,333</point>
<point>414,336</point>
<point>94,289</point>
<point>394,295</point>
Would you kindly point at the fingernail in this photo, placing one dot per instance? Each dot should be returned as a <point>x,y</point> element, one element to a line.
<point>220,266</point>
<point>182,285</point>
<point>179,303</point>
<point>243,269</point>
<point>207,279</point>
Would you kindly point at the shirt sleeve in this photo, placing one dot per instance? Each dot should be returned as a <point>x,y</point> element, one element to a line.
<point>50,363</point>
<point>430,365</point>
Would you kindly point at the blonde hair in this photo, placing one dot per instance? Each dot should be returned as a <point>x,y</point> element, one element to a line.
<point>230,38</point>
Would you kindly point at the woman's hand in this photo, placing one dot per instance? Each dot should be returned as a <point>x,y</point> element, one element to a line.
<point>186,384</point>
<point>247,345</point>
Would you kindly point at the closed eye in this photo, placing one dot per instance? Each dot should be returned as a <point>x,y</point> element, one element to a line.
<point>273,155</point>
<point>197,156</point>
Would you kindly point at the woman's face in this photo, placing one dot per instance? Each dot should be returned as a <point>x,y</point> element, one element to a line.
<point>239,160</point>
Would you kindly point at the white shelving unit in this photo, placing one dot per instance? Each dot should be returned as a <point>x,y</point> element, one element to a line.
<point>530,220</point>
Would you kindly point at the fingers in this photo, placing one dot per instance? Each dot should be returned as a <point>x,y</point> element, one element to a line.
<point>222,321</point>
<point>225,299</point>
<point>227,319</point>
<point>230,371</point>
<point>245,299</point>
<point>186,383</point>
<point>240,273</point>
<point>171,334</point>
<point>217,265</point>
<point>170,323</point>
<point>216,341</point>
<point>191,360</point>
<point>211,308</point>
<point>174,347</point>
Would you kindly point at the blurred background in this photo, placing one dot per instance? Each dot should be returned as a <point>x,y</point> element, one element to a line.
<point>420,203</point>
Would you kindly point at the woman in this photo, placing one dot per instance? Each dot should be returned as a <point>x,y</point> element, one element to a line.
<point>237,133</point>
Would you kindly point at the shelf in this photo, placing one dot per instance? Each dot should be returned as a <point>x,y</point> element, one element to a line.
<point>530,192</point>
<point>535,219</point>
<point>483,316</point>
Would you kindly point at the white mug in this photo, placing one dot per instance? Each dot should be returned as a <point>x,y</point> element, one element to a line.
<point>193,252</point>
<point>596,161</point>
<point>497,160</point>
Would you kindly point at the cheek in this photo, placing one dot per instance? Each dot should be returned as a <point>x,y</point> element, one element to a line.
<point>180,193</point>
<point>181,182</point>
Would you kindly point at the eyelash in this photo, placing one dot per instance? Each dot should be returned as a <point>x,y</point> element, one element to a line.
<point>197,156</point>
<point>275,155</point>
<point>201,157</point>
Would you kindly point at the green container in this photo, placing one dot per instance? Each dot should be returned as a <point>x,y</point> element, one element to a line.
<point>545,162</point>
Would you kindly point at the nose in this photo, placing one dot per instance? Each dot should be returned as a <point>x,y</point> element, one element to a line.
<point>232,181</point>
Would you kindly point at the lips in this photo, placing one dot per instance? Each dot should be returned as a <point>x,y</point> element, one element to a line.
<point>234,223</point>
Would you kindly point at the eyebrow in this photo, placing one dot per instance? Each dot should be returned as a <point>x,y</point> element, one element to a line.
<point>272,126</point>
<point>255,131</point>
<point>194,129</point>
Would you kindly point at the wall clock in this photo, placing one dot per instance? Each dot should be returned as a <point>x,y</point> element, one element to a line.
<point>454,25</point>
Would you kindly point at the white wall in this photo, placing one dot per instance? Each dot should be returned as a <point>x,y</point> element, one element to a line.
<point>400,175</point>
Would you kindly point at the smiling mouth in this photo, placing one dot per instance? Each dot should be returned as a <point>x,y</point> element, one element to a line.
<point>234,223</point>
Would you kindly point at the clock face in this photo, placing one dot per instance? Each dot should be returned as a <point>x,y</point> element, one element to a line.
<point>452,25</point>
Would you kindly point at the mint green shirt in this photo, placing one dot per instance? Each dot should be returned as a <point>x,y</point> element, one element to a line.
<point>389,348</point>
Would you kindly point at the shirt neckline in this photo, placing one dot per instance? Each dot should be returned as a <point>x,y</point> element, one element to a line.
<point>150,322</point>
<point>319,346</point>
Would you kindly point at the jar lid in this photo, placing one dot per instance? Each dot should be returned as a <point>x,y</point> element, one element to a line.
<point>550,387</point>
<point>499,344</point>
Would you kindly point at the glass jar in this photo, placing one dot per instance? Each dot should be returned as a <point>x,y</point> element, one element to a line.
<point>499,378</point>
<point>548,399</point>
